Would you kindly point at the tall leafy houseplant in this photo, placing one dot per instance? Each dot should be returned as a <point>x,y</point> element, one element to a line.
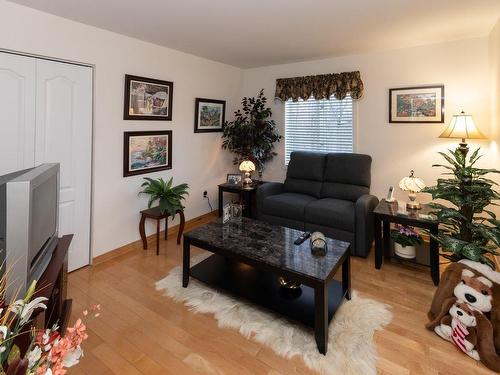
<point>169,198</point>
<point>468,229</point>
<point>252,134</point>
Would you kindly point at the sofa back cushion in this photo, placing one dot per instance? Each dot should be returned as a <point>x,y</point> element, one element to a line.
<point>347,176</point>
<point>305,173</point>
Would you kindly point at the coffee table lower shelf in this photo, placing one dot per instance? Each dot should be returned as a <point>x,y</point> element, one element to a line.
<point>263,288</point>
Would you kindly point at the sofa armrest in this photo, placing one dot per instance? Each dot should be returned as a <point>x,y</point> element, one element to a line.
<point>364,224</point>
<point>265,190</point>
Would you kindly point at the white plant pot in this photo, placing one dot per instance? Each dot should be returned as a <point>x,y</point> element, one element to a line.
<point>407,252</point>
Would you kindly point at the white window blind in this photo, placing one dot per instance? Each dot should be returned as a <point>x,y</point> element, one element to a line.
<point>318,125</point>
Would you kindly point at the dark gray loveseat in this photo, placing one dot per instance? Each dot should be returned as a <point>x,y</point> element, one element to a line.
<point>324,192</point>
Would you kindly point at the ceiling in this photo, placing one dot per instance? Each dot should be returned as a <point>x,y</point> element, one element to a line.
<point>252,33</point>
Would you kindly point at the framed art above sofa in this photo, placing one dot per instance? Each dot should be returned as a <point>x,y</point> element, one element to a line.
<point>420,104</point>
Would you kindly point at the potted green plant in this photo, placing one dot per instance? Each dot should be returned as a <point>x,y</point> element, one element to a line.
<point>169,197</point>
<point>468,230</point>
<point>405,239</point>
<point>252,134</point>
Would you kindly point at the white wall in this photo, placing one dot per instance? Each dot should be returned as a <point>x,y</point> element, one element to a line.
<point>463,68</point>
<point>494,49</point>
<point>494,54</point>
<point>197,158</point>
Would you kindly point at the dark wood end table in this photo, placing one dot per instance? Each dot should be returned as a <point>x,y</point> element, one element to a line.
<point>154,213</point>
<point>385,214</point>
<point>246,192</point>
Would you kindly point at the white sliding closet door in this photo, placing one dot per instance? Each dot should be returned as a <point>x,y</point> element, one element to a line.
<point>46,116</point>
<point>64,135</point>
<point>17,113</point>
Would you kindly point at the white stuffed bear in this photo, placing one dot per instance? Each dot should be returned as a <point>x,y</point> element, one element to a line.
<point>460,328</point>
<point>475,291</point>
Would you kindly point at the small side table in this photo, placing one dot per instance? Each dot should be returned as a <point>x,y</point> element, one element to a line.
<point>385,214</point>
<point>245,192</point>
<point>154,213</point>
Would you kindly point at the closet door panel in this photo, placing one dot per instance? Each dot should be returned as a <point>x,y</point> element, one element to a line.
<point>17,112</point>
<point>64,135</point>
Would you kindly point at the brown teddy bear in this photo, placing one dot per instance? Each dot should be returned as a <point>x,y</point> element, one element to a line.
<point>475,290</point>
<point>478,287</point>
<point>459,327</point>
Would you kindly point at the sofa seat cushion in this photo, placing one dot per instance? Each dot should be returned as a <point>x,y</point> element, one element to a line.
<point>289,205</point>
<point>330,212</point>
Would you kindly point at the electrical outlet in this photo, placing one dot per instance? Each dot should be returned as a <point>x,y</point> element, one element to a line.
<point>205,194</point>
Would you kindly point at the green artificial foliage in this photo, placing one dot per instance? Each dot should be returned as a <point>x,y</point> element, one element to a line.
<point>169,197</point>
<point>468,230</point>
<point>252,134</point>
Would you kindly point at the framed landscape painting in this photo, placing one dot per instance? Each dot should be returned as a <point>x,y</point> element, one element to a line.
<point>146,152</point>
<point>209,116</point>
<point>147,99</point>
<point>424,104</point>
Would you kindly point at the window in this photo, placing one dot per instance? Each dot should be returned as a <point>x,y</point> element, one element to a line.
<point>318,125</point>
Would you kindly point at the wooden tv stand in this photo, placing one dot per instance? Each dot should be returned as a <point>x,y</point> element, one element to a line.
<point>52,285</point>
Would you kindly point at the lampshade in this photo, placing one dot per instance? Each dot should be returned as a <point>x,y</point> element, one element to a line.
<point>462,126</point>
<point>247,166</point>
<point>411,183</point>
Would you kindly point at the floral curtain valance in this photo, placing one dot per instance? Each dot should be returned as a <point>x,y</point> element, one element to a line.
<point>320,86</point>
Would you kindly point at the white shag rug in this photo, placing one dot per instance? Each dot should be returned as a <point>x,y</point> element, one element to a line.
<point>351,349</point>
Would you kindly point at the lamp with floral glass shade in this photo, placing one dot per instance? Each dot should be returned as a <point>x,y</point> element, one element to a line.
<point>247,167</point>
<point>462,126</point>
<point>413,185</point>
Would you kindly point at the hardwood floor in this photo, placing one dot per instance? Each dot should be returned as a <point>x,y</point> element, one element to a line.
<point>142,332</point>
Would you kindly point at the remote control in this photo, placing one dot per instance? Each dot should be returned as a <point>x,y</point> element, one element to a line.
<point>302,238</point>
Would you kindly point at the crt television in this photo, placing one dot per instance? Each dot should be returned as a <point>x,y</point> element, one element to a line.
<point>29,205</point>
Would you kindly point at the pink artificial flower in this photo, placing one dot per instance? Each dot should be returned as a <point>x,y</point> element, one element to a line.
<point>59,349</point>
<point>58,369</point>
<point>77,333</point>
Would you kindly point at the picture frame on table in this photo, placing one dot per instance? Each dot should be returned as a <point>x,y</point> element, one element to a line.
<point>209,115</point>
<point>147,99</point>
<point>236,212</point>
<point>226,213</point>
<point>234,178</point>
<point>419,104</point>
<point>146,152</point>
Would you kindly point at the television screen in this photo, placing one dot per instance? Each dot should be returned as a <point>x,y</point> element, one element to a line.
<point>43,215</point>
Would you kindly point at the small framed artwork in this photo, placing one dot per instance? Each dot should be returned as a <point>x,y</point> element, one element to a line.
<point>146,152</point>
<point>234,178</point>
<point>209,116</point>
<point>236,212</point>
<point>423,104</point>
<point>226,213</point>
<point>147,99</point>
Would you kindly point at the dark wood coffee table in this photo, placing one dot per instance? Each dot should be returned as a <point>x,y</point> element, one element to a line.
<point>249,257</point>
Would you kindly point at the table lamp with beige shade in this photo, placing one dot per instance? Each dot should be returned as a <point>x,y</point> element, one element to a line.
<point>462,126</point>
<point>247,167</point>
